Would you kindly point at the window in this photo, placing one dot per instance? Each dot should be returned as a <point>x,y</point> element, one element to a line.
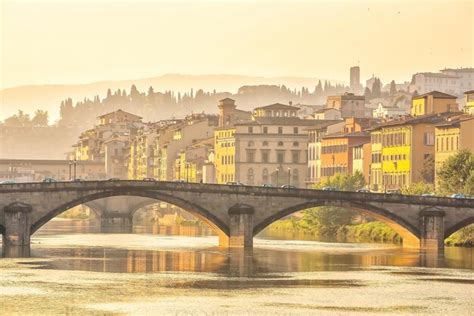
<point>250,129</point>
<point>265,143</point>
<point>280,143</point>
<point>265,130</point>
<point>265,156</point>
<point>250,143</point>
<point>296,144</point>
<point>280,130</point>
<point>250,156</point>
<point>250,176</point>
<point>265,175</point>
<point>295,130</point>
<point>429,139</point>
<point>280,157</point>
<point>295,157</point>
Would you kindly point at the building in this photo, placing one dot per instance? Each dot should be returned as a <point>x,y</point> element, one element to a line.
<point>469,102</point>
<point>189,164</point>
<point>349,104</point>
<point>452,135</point>
<point>425,82</point>
<point>327,128</point>
<point>31,170</point>
<point>387,111</point>
<point>465,75</point>
<point>327,114</point>
<point>354,80</point>
<point>402,150</point>
<point>108,142</point>
<point>433,102</point>
<point>361,160</point>
<point>270,148</point>
<point>338,150</point>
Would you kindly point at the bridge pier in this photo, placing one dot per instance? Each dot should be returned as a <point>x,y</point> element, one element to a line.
<point>16,239</point>
<point>116,223</point>
<point>432,230</point>
<point>241,226</point>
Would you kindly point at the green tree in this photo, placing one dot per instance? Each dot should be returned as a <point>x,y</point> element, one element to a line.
<point>456,175</point>
<point>418,188</point>
<point>327,220</point>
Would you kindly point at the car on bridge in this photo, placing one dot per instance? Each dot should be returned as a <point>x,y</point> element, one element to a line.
<point>393,191</point>
<point>288,186</point>
<point>235,183</point>
<point>49,180</point>
<point>459,196</point>
<point>329,188</point>
<point>8,182</point>
<point>363,190</point>
<point>267,185</point>
<point>148,179</point>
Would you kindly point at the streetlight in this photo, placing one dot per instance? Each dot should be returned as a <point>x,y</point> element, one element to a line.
<point>75,163</point>
<point>187,172</point>
<point>277,171</point>
<point>70,171</point>
<point>289,176</point>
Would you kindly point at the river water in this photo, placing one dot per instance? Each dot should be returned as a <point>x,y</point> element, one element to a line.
<point>180,271</point>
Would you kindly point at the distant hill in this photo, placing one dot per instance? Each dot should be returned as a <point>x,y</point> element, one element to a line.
<point>48,97</point>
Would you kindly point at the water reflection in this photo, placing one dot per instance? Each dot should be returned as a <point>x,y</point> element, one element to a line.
<point>269,257</point>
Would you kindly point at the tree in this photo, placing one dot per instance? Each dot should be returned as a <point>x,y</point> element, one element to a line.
<point>19,119</point>
<point>456,175</point>
<point>393,88</point>
<point>418,188</point>
<point>367,93</point>
<point>428,171</point>
<point>328,219</point>
<point>40,118</point>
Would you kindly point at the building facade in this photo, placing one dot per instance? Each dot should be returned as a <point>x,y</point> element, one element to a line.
<point>349,104</point>
<point>433,102</point>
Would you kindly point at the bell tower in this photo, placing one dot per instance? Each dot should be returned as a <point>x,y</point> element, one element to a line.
<point>226,112</point>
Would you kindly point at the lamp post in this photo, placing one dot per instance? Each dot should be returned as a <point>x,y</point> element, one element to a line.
<point>75,163</point>
<point>70,171</point>
<point>187,172</point>
<point>277,174</point>
<point>289,176</point>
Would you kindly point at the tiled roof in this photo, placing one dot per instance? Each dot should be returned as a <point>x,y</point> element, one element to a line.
<point>436,94</point>
<point>278,106</point>
<point>352,134</point>
<point>430,119</point>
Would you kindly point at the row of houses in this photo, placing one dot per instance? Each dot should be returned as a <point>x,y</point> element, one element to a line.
<point>275,145</point>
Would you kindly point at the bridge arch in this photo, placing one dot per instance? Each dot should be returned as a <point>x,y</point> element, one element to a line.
<point>203,214</point>
<point>409,233</point>
<point>454,228</point>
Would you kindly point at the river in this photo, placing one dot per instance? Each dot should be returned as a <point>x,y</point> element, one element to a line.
<point>75,270</point>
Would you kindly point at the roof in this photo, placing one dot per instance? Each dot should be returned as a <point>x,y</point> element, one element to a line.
<point>323,124</point>
<point>325,110</point>
<point>348,135</point>
<point>435,94</point>
<point>278,106</point>
<point>435,74</point>
<point>226,99</point>
<point>282,121</point>
<point>469,69</point>
<point>435,118</point>
<point>348,96</point>
<point>469,92</point>
<point>455,121</point>
<point>119,111</point>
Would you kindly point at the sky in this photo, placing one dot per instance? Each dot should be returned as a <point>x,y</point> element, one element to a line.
<point>82,41</point>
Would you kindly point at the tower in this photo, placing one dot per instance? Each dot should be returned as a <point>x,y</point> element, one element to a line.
<point>355,77</point>
<point>226,112</point>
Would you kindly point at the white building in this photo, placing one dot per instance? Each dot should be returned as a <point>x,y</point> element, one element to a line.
<point>387,111</point>
<point>425,82</point>
<point>465,75</point>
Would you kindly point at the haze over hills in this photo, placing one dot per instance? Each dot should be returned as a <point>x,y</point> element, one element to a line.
<point>48,97</point>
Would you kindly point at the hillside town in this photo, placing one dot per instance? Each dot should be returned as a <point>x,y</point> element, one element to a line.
<point>392,144</point>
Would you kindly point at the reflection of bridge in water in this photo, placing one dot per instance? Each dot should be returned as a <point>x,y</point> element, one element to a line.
<point>236,213</point>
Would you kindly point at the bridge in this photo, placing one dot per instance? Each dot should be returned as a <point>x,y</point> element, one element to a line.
<point>236,213</point>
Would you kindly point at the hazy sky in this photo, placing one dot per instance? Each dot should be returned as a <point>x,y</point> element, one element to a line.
<point>79,41</point>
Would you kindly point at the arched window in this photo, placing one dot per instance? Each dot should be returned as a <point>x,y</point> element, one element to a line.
<point>250,176</point>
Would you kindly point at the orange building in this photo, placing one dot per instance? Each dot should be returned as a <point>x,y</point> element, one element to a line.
<point>337,152</point>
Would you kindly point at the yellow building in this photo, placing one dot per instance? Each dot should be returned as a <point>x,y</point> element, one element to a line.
<point>452,136</point>
<point>404,148</point>
<point>224,148</point>
<point>469,98</point>
<point>433,102</point>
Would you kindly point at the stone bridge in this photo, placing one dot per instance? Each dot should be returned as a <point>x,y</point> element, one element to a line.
<point>236,213</point>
